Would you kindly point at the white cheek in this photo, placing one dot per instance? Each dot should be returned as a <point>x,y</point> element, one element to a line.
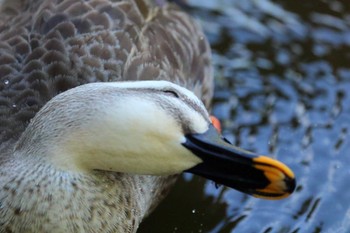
<point>144,140</point>
<point>132,136</point>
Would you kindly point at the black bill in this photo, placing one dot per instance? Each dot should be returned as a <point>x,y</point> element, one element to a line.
<point>231,166</point>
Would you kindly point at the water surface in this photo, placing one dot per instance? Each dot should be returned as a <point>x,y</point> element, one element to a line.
<point>282,71</point>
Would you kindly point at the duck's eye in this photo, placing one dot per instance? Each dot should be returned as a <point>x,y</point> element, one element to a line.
<point>171,93</point>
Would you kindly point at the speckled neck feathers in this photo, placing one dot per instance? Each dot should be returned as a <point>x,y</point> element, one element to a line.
<point>82,203</point>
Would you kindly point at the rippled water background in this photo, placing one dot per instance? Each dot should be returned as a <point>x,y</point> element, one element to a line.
<point>282,72</point>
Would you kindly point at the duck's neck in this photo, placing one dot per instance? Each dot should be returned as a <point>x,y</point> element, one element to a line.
<point>60,201</point>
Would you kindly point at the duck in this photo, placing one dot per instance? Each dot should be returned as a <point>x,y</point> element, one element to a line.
<point>102,105</point>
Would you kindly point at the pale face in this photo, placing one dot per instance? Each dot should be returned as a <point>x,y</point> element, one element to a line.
<point>145,125</point>
<point>133,127</point>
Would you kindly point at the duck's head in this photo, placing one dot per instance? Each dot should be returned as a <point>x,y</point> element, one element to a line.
<point>149,128</point>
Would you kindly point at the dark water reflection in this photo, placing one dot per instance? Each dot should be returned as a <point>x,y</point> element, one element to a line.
<point>282,88</point>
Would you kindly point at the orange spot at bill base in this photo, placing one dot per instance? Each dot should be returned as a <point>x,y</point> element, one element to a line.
<point>215,121</point>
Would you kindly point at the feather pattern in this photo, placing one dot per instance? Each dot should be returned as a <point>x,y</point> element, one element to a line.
<point>50,46</point>
<point>47,47</point>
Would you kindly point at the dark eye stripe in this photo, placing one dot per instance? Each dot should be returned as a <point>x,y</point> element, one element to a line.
<point>186,100</point>
<point>171,93</point>
<point>175,94</point>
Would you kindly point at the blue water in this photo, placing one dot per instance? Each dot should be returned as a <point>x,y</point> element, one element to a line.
<point>282,71</point>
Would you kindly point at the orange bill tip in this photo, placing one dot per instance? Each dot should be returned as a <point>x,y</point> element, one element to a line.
<point>215,121</point>
<point>281,178</point>
<point>272,163</point>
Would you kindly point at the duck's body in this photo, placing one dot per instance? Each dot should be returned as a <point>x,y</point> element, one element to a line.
<point>70,166</point>
<point>50,46</point>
